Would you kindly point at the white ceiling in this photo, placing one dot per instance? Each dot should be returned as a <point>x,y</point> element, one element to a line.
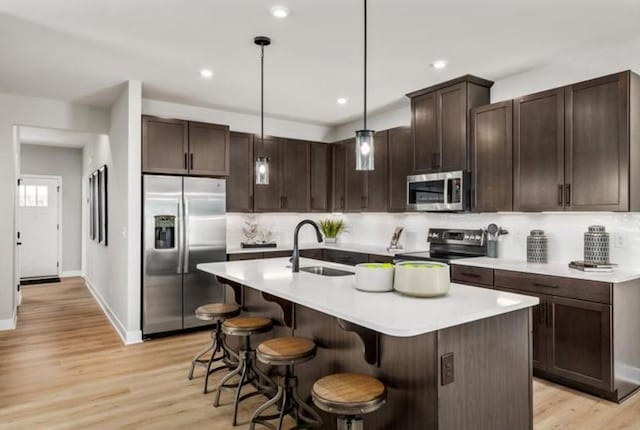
<point>81,50</point>
<point>54,137</point>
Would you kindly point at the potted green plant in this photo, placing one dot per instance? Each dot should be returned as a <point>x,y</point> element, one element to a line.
<point>331,228</point>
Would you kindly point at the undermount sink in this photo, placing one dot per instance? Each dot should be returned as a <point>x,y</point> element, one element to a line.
<point>325,271</point>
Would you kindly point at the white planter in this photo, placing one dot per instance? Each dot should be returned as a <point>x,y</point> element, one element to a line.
<point>374,277</point>
<point>422,278</point>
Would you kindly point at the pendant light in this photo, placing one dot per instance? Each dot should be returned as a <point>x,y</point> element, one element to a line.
<point>364,137</point>
<point>262,163</point>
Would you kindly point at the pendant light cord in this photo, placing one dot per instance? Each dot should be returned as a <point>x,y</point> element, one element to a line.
<point>365,65</point>
<point>262,94</point>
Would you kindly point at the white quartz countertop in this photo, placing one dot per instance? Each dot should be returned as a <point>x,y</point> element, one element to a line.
<point>389,313</point>
<point>551,269</point>
<point>350,247</point>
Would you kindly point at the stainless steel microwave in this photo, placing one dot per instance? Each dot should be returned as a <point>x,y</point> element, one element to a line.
<point>439,192</point>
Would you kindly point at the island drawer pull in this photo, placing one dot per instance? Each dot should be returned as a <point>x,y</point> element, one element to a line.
<point>470,275</point>
<point>537,284</point>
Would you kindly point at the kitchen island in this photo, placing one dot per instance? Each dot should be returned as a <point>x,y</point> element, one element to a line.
<point>462,361</point>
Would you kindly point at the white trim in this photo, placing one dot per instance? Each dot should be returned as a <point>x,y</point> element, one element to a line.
<point>129,337</point>
<point>70,273</point>
<point>19,297</point>
<point>9,323</point>
<point>59,195</point>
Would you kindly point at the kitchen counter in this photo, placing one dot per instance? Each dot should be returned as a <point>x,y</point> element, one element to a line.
<point>551,269</point>
<point>350,247</point>
<point>389,313</point>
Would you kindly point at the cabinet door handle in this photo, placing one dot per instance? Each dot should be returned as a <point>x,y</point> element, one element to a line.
<point>470,275</point>
<point>185,161</point>
<point>537,284</point>
<point>191,161</point>
<point>342,202</point>
<point>549,314</point>
<point>363,202</point>
<point>250,206</point>
<point>285,202</point>
<point>543,313</point>
<point>567,194</point>
<point>560,195</point>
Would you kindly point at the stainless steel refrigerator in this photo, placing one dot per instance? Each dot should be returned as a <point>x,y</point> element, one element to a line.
<point>184,225</point>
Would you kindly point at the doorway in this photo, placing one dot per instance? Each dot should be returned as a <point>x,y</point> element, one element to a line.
<point>39,226</point>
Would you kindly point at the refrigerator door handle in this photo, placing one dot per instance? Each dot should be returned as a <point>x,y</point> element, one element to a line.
<point>180,238</point>
<point>185,242</point>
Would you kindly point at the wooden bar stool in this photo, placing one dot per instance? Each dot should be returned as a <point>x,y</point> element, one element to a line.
<point>217,312</point>
<point>247,368</point>
<point>349,395</point>
<point>287,352</point>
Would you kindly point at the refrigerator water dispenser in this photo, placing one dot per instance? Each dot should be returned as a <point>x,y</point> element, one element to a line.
<point>165,231</point>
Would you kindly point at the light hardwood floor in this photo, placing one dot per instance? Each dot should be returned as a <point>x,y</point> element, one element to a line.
<point>65,368</point>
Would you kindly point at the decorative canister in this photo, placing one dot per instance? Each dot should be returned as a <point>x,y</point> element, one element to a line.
<point>537,247</point>
<point>596,245</point>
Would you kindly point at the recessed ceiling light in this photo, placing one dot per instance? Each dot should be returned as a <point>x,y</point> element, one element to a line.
<point>206,73</point>
<point>439,64</point>
<point>342,101</point>
<point>279,12</point>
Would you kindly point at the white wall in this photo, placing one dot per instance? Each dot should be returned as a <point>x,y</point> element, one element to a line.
<point>240,122</point>
<point>113,272</point>
<point>570,69</point>
<point>15,111</point>
<point>67,163</point>
<point>565,231</point>
<point>394,117</point>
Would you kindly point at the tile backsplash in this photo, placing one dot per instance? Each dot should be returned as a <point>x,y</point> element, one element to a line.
<point>564,230</point>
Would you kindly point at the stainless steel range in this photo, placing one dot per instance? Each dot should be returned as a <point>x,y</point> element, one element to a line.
<point>446,245</point>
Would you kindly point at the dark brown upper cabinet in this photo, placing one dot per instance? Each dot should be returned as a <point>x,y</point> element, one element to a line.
<point>367,191</point>
<point>598,146</point>
<point>208,149</point>
<point>240,181</point>
<point>165,145</point>
<point>184,147</point>
<point>400,166</point>
<point>492,155</point>
<point>320,154</point>
<point>439,120</point>
<point>577,148</point>
<point>377,190</point>
<point>538,151</point>
<point>355,181</point>
<point>295,182</point>
<point>338,165</point>
<point>268,198</point>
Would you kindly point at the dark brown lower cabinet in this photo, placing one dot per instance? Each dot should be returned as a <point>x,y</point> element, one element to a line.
<point>579,341</point>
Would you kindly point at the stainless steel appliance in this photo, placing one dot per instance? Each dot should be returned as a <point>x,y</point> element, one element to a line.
<point>184,225</point>
<point>439,192</point>
<point>446,245</point>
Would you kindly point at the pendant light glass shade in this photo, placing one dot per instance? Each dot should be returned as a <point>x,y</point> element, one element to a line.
<point>364,150</point>
<point>262,171</point>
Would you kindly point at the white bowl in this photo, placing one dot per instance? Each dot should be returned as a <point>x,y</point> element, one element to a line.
<point>422,278</point>
<point>375,277</point>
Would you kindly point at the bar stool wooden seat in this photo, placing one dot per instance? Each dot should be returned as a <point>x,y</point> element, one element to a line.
<point>247,367</point>
<point>349,395</point>
<point>287,352</point>
<point>217,312</point>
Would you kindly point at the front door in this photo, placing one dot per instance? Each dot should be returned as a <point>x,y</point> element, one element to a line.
<point>39,224</point>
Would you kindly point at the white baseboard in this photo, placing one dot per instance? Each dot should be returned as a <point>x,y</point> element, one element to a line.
<point>129,337</point>
<point>9,323</point>
<point>19,298</point>
<point>70,273</point>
